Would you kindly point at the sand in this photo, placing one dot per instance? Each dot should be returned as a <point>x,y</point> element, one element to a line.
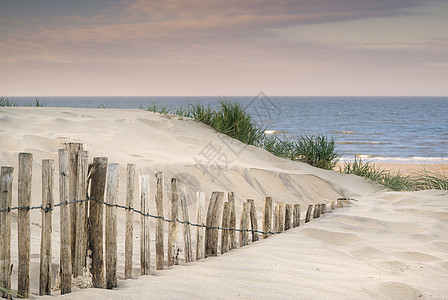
<point>384,245</point>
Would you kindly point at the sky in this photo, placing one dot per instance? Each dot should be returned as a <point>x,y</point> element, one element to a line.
<point>223,48</point>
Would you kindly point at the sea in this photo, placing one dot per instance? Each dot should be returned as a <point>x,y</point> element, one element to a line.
<point>376,129</point>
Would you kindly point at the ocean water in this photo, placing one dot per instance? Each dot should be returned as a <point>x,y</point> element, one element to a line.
<point>377,129</point>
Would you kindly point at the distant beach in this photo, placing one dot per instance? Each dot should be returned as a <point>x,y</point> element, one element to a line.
<point>378,129</point>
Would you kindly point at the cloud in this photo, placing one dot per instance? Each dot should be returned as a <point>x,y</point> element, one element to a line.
<point>169,37</point>
<point>136,29</point>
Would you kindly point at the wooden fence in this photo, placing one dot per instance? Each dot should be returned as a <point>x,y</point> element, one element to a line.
<point>85,190</point>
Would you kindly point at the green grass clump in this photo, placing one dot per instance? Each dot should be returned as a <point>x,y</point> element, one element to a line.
<point>395,182</point>
<point>4,101</point>
<point>431,180</point>
<point>202,113</point>
<point>425,180</point>
<point>230,118</point>
<point>363,169</point>
<point>39,103</point>
<point>316,150</point>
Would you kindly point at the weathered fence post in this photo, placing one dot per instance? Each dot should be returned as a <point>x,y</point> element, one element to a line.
<point>324,208</point>
<point>225,225</point>
<point>296,216</point>
<point>212,234</point>
<point>145,241</point>
<point>73,149</point>
<point>200,231</point>
<point>288,216</point>
<point>45,243</point>
<point>279,217</point>
<point>316,213</point>
<point>173,248</point>
<point>129,243</point>
<point>23,223</point>
<point>275,217</point>
<point>308,213</point>
<point>65,252</point>
<point>244,224</point>
<point>186,226</point>
<point>319,210</point>
<point>267,216</point>
<point>6,179</point>
<point>253,220</point>
<point>97,187</point>
<point>81,221</point>
<point>160,257</point>
<point>332,205</point>
<point>232,224</point>
<point>111,226</point>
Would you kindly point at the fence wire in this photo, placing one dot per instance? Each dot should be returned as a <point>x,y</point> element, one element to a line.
<point>48,209</point>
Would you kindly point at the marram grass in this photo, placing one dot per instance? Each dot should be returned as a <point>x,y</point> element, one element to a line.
<point>230,118</point>
<point>423,180</point>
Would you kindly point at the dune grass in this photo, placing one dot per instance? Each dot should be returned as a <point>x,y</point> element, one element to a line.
<point>431,180</point>
<point>5,102</point>
<point>230,118</point>
<point>423,180</point>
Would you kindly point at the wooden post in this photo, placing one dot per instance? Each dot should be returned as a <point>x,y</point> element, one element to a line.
<point>145,241</point>
<point>173,248</point>
<point>213,215</point>
<point>253,219</point>
<point>267,216</point>
<point>160,257</point>
<point>324,208</point>
<point>319,210</point>
<point>308,213</point>
<point>316,211</point>
<point>281,220</point>
<point>296,216</point>
<point>65,251</point>
<point>225,224</point>
<point>275,217</point>
<point>23,223</point>
<point>129,243</point>
<point>73,149</point>
<point>332,205</point>
<point>232,224</point>
<point>111,226</point>
<point>288,216</point>
<point>6,179</point>
<point>200,231</point>
<point>186,226</point>
<point>244,224</point>
<point>81,220</point>
<point>45,243</point>
<point>97,186</point>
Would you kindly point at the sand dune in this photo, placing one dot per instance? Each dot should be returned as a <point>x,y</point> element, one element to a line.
<point>384,245</point>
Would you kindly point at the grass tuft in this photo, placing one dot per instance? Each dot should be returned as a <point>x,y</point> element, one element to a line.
<point>4,102</point>
<point>431,180</point>
<point>425,180</point>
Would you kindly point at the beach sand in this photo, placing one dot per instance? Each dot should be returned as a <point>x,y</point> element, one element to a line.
<point>384,245</point>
